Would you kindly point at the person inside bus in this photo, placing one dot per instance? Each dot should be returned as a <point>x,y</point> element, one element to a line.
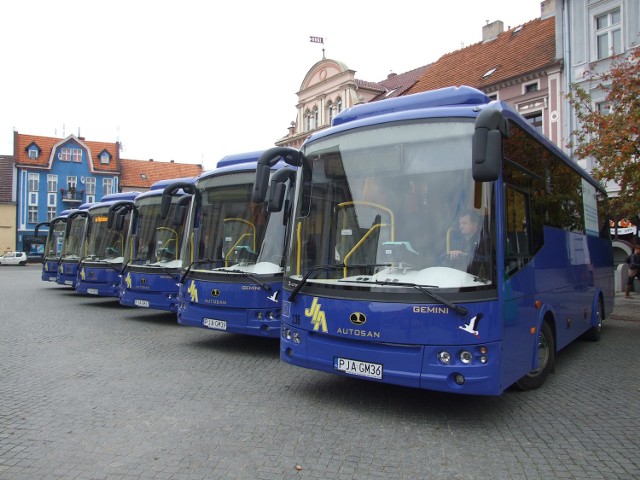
<point>468,249</point>
<point>634,270</point>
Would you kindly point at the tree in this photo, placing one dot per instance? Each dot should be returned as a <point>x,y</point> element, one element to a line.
<point>608,131</point>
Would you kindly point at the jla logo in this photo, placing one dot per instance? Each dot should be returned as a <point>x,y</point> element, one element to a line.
<point>317,316</point>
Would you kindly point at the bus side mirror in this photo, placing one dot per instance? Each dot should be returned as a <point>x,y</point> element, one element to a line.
<point>120,219</point>
<point>490,128</point>
<point>276,196</point>
<point>277,188</point>
<point>182,207</point>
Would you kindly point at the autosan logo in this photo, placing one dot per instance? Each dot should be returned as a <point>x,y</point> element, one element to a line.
<point>358,318</point>
<point>215,292</point>
<point>143,281</point>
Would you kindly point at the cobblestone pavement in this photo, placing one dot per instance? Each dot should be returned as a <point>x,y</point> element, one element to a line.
<point>93,390</point>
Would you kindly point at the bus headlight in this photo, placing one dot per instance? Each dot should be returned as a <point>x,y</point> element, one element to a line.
<point>296,337</point>
<point>286,334</point>
<point>444,357</point>
<point>465,357</point>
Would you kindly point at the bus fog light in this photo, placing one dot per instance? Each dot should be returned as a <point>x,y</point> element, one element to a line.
<point>465,357</point>
<point>483,359</point>
<point>259,315</point>
<point>288,352</point>
<point>459,379</point>
<point>296,337</point>
<point>483,350</point>
<point>286,333</point>
<point>444,357</point>
<point>271,315</point>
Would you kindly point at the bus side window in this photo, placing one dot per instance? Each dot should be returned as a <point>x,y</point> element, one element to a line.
<point>517,225</point>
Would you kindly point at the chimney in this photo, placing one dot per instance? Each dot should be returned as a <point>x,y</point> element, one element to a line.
<point>151,159</point>
<point>170,161</point>
<point>491,30</point>
<point>547,9</point>
<point>391,75</point>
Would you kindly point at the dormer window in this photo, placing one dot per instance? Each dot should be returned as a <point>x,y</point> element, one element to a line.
<point>105,157</point>
<point>489,73</point>
<point>33,151</point>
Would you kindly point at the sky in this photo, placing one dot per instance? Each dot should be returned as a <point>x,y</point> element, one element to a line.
<point>193,81</point>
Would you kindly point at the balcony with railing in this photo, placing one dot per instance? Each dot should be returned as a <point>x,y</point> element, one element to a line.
<point>72,196</point>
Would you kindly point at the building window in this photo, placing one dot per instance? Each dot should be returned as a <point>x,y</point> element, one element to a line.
<point>33,214</point>
<point>76,155</point>
<point>316,119</point>
<point>51,213</point>
<point>307,118</point>
<point>52,183</point>
<point>608,34</point>
<point>90,185</point>
<point>107,186</point>
<point>603,108</point>
<point>65,154</point>
<point>34,182</point>
<point>91,198</point>
<point>531,87</point>
<point>338,105</point>
<point>33,153</point>
<point>535,120</point>
<point>105,157</point>
<point>330,113</point>
<point>72,182</point>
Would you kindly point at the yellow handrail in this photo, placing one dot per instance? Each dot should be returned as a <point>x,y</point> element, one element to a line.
<point>360,242</point>
<point>247,222</point>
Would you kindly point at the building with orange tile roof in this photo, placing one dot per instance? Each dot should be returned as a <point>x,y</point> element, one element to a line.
<point>521,66</point>
<point>55,174</point>
<point>139,175</point>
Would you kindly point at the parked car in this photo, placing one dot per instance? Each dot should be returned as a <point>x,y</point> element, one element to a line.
<point>13,258</point>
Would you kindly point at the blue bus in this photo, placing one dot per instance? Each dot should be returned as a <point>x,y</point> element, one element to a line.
<point>150,278</point>
<point>73,245</point>
<point>439,242</point>
<point>99,269</point>
<point>235,250</point>
<point>53,245</point>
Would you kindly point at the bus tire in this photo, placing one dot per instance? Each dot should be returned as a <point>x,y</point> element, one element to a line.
<point>593,334</point>
<point>546,359</point>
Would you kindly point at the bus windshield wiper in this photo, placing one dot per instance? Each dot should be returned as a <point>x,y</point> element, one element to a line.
<point>246,274</point>
<point>195,262</point>
<point>317,268</point>
<point>425,289</point>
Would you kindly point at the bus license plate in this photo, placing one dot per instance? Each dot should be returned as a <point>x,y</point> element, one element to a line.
<point>213,323</point>
<point>68,282</point>
<point>141,303</point>
<point>92,291</point>
<point>360,369</point>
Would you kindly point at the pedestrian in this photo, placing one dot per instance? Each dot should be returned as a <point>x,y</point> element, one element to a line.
<point>634,270</point>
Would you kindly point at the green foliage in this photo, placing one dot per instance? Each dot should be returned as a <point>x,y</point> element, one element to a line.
<point>610,135</point>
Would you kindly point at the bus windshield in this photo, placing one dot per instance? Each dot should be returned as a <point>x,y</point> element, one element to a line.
<point>104,244</point>
<point>74,240</point>
<point>156,241</point>
<point>54,239</point>
<point>231,232</point>
<point>394,209</point>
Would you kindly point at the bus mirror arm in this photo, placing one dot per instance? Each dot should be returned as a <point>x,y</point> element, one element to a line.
<point>266,161</point>
<point>171,190</point>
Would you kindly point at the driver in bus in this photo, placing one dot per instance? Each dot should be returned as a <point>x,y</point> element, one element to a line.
<point>468,249</point>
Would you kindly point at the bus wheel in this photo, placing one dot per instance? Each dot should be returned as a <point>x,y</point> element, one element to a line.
<point>546,359</point>
<point>593,334</point>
